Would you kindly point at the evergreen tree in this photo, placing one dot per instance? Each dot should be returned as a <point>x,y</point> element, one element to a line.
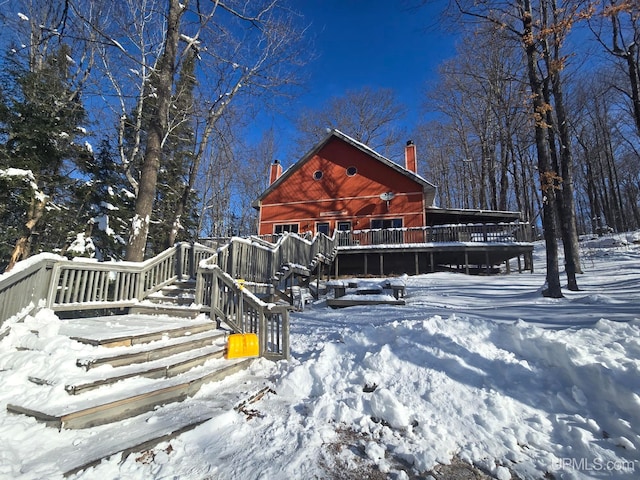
<point>40,119</point>
<point>105,205</point>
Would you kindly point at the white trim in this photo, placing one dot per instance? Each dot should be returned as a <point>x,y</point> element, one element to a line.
<point>338,222</point>
<point>338,218</point>
<point>274,225</point>
<point>301,202</point>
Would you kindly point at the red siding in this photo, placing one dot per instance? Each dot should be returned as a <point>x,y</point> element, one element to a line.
<point>301,199</point>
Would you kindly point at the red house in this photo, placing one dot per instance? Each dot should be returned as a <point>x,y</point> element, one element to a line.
<point>343,184</point>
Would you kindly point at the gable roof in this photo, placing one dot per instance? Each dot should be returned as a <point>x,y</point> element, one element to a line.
<point>360,146</point>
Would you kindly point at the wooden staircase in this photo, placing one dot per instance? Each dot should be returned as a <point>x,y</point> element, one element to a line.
<point>145,363</point>
<point>148,369</point>
<point>176,299</point>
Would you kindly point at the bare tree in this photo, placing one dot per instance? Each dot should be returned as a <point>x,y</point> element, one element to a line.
<point>556,23</point>
<point>369,115</point>
<point>536,27</point>
<point>217,183</point>
<point>243,68</point>
<point>253,179</point>
<point>162,82</point>
<point>480,92</point>
<point>616,25</point>
<point>610,171</point>
<point>243,49</point>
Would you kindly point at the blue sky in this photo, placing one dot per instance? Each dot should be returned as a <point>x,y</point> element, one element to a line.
<point>373,43</point>
<point>376,43</point>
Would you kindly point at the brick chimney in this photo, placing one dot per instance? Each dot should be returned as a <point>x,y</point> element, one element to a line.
<point>275,171</point>
<point>410,160</point>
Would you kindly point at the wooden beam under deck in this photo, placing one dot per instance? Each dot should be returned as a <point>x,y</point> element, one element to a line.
<point>427,258</point>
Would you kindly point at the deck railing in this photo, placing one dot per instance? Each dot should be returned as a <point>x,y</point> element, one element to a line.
<point>91,285</point>
<point>62,284</point>
<point>24,291</point>
<point>245,313</point>
<point>83,284</point>
<point>255,259</point>
<point>76,285</point>
<point>474,233</point>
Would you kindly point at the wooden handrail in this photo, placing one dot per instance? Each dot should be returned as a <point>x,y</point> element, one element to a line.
<point>256,260</point>
<point>516,232</point>
<point>23,291</point>
<point>62,284</point>
<point>245,313</point>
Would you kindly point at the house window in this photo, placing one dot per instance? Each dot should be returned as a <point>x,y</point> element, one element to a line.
<point>351,171</point>
<point>386,223</point>
<point>323,227</point>
<point>344,226</point>
<point>317,175</point>
<point>280,229</point>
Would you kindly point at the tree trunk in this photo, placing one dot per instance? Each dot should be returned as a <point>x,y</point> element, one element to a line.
<point>548,176</point>
<point>163,83</point>
<point>570,230</point>
<point>634,79</point>
<point>505,150</point>
<point>563,163</point>
<point>215,113</point>
<point>23,245</point>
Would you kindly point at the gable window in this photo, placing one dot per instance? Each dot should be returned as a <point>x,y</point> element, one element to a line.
<point>317,175</point>
<point>351,171</point>
<point>280,229</point>
<point>386,223</point>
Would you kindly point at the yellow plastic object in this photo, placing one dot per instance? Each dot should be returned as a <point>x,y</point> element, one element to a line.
<point>243,345</point>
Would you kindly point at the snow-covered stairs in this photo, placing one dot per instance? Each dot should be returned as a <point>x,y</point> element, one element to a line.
<point>176,299</point>
<point>167,362</point>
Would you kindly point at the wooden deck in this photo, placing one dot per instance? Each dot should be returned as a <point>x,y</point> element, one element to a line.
<point>472,248</point>
<point>414,259</point>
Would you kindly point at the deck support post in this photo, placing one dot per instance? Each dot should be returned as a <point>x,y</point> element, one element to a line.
<point>382,265</point>
<point>417,263</point>
<point>433,267</point>
<point>366,265</point>
<point>466,262</point>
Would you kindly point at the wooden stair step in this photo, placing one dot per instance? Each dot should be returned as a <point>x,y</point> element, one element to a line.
<point>162,368</point>
<point>162,299</point>
<point>148,352</point>
<point>137,339</point>
<point>184,284</point>
<point>179,289</point>
<point>174,293</point>
<point>113,406</point>
<point>131,329</point>
<point>144,431</point>
<point>149,308</point>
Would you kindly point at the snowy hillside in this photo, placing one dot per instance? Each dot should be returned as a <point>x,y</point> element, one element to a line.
<point>477,369</point>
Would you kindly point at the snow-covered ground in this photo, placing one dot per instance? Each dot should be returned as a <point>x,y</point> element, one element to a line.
<point>474,368</point>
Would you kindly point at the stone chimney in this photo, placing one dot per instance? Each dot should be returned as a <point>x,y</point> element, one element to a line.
<point>410,160</point>
<point>275,171</point>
